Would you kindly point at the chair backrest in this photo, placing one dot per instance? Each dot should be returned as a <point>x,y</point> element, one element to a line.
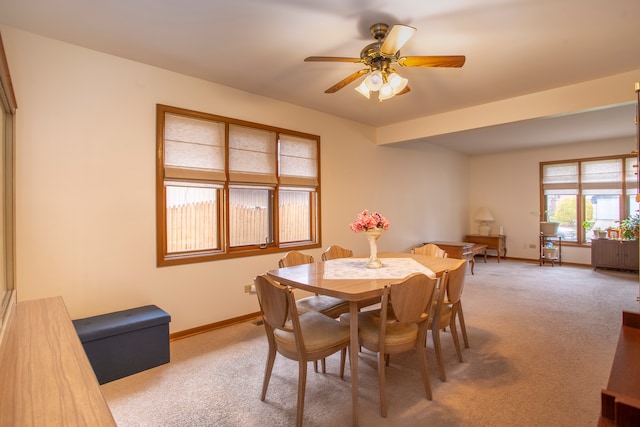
<point>274,301</point>
<point>294,258</point>
<point>335,251</point>
<point>430,250</point>
<point>411,298</point>
<point>456,282</point>
<point>442,298</point>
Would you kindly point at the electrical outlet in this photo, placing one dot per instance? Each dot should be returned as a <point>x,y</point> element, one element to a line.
<point>247,289</point>
<point>532,246</point>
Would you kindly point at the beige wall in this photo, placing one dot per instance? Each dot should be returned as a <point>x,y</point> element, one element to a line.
<point>592,94</point>
<point>517,174</point>
<point>86,184</point>
<point>85,172</point>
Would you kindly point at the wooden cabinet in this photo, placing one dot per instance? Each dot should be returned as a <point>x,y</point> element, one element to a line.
<point>620,401</point>
<point>496,243</point>
<point>618,254</point>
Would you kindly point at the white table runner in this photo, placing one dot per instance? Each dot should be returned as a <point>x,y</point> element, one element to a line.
<point>392,268</point>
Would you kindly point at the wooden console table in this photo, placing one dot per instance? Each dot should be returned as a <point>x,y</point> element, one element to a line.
<point>496,243</point>
<point>45,376</point>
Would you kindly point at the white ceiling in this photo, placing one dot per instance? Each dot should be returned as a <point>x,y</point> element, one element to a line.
<point>512,48</point>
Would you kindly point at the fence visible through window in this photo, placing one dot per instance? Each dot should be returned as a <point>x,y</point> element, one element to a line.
<point>192,226</point>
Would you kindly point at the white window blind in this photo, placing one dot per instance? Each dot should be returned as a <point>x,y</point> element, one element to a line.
<point>193,148</point>
<point>559,176</point>
<point>252,155</point>
<point>602,175</point>
<point>298,161</point>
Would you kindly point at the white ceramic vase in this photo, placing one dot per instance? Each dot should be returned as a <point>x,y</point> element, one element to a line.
<point>372,235</point>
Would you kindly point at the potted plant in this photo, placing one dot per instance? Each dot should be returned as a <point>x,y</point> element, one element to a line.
<point>599,233</point>
<point>630,227</point>
<point>588,225</point>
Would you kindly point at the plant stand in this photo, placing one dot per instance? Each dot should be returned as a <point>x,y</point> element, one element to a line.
<point>547,255</point>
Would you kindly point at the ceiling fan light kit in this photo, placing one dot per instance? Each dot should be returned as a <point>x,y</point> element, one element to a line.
<point>364,90</point>
<point>379,58</point>
<point>374,81</point>
<point>387,84</point>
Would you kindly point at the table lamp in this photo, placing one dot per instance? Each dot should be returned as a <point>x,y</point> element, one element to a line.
<point>483,216</point>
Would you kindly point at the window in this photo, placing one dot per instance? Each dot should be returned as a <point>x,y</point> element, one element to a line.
<point>600,191</point>
<point>8,106</point>
<point>228,188</point>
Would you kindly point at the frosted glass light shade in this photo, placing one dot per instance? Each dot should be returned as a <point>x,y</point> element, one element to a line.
<point>386,92</point>
<point>398,83</point>
<point>374,81</point>
<point>364,90</point>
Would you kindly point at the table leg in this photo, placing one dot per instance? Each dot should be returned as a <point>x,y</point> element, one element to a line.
<point>473,262</point>
<point>354,348</point>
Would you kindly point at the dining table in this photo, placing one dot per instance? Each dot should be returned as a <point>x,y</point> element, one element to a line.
<point>349,279</point>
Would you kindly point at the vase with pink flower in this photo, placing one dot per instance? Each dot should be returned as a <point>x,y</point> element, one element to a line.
<point>372,224</point>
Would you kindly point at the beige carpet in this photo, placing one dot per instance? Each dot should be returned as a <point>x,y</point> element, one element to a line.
<point>542,342</point>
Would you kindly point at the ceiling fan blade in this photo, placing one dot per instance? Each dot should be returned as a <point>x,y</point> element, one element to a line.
<point>342,83</point>
<point>397,37</point>
<point>331,59</point>
<point>432,61</point>
<point>403,91</point>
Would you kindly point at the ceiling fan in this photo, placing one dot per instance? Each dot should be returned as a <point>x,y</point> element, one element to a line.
<point>380,57</point>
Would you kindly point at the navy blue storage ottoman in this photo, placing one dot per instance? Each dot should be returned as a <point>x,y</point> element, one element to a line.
<point>125,342</point>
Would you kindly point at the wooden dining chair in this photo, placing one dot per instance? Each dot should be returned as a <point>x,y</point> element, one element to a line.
<point>335,252</point>
<point>327,305</point>
<point>304,338</point>
<point>453,298</point>
<point>430,249</point>
<point>398,328</point>
<point>447,307</point>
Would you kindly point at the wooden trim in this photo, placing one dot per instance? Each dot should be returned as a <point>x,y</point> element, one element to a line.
<point>7,169</point>
<point>213,326</point>
<point>5,80</point>
<point>223,249</point>
<point>620,401</point>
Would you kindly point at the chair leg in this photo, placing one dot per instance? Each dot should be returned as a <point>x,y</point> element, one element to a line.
<point>422,354</point>
<point>271,357</point>
<point>454,335</point>
<point>315,365</point>
<point>463,327</point>
<point>381,376</point>
<point>324,365</point>
<point>343,358</point>
<point>435,334</point>
<point>302,382</point>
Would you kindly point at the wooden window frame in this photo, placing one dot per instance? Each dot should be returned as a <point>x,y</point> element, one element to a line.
<point>580,214</point>
<point>165,258</point>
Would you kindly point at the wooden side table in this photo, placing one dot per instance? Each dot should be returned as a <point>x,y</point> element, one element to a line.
<point>458,250</point>
<point>478,249</point>
<point>497,243</point>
